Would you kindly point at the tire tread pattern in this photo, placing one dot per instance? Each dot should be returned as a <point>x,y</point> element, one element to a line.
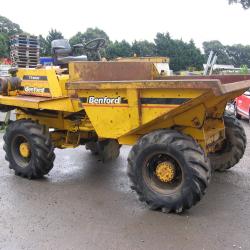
<point>227,160</point>
<point>42,146</point>
<point>198,164</point>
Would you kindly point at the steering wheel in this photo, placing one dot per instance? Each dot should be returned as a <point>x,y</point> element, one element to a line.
<point>95,44</point>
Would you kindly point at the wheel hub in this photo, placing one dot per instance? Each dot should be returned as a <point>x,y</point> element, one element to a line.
<point>165,171</point>
<point>24,149</point>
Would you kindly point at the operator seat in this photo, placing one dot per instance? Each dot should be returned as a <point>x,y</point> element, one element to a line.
<point>63,53</point>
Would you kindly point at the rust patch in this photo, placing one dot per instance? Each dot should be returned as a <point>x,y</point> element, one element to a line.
<point>214,85</point>
<point>110,71</point>
<point>224,79</point>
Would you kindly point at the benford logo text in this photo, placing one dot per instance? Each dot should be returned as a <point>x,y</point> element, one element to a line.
<point>34,89</point>
<point>104,100</point>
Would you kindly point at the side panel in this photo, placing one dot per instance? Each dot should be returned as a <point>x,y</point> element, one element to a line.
<point>40,82</point>
<point>110,120</point>
<point>117,113</point>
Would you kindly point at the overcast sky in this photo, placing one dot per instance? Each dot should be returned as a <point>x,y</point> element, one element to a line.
<point>201,20</point>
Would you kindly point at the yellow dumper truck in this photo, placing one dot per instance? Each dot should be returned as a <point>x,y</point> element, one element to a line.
<point>176,125</point>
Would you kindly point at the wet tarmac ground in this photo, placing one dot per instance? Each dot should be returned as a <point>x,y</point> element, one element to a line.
<point>85,204</point>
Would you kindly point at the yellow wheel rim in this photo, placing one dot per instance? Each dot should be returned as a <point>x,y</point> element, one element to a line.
<point>24,149</point>
<point>165,171</point>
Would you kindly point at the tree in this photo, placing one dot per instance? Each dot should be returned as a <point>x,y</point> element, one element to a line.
<point>77,38</point>
<point>143,48</point>
<point>245,3</point>
<point>8,27</point>
<point>239,55</point>
<point>87,36</point>
<point>53,35</point>
<point>43,46</point>
<point>4,45</point>
<point>236,55</point>
<point>45,43</point>
<point>119,49</point>
<point>244,70</point>
<point>194,58</point>
<point>219,49</point>
<point>91,34</point>
<point>182,55</point>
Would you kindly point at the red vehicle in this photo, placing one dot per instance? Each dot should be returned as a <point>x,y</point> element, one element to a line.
<point>242,105</point>
<point>5,61</point>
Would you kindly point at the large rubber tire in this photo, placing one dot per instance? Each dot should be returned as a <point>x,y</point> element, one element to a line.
<point>107,149</point>
<point>236,114</point>
<point>233,147</point>
<point>92,147</point>
<point>192,162</point>
<point>41,158</point>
